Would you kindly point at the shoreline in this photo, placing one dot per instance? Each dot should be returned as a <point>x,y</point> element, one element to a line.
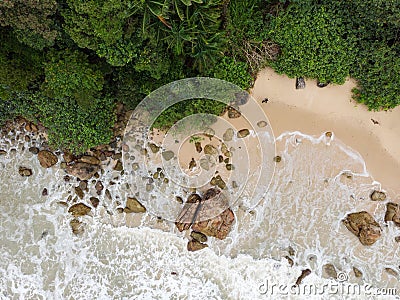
<point>316,110</point>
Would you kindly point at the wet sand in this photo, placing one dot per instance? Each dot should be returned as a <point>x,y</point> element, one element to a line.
<point>316,110</point>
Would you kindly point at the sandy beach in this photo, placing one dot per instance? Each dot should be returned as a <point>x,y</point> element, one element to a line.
<point>316,110</point>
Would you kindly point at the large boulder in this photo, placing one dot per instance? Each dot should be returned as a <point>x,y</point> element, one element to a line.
<point>82,170</point>
<point>363,225</point>
<point>47,159</point>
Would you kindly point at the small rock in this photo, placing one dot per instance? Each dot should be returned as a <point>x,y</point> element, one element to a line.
<point>79,209</point>
<point>304,274</point>
<point>322,84</point>
<point>27,138</point>
<point>198,147</point>
<point>192,164</point>
<point>3,152</point>
<point>397,239</point>
<point>218,181</point>
<point>357,272</point>
<point>76,226</point>
<point>378,196</point>
<point>228,135</point>
<point>330,271</point>
<point>290,261</point>
<point>118,166</point>
<point>108,194</point>
<point>210,150</point>
<point>95,201</point>
<point>392,272</point>
<point>392,213</point>
<point>154,148</point>
<point>195,246</point>
<point>328,134</point>
<point>363,225</point>
<point>25,172</point>
<point>291,251</point>
<point>134,206</point>
<point>68,157</point>
<point>33,150</point>
<point>262,124</point>
<point>44,192</point>
<point>198,236</point>
<point>179,199</point>
<point>277,158</point>
<point>233,113</point>
<point>83,184</point>
<point>79,192</point>
<point>31,127</point>
<point>204,164</point>
<point>243,133</point>
<point>300,83</point>
<point>168,155</point>
<point>90,160</point>
<point>135,166</point>
<point>83,171</point>
<point>47,159</point>
<point>229,167</point>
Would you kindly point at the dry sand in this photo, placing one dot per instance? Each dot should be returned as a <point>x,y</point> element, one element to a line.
<point>316,110</point>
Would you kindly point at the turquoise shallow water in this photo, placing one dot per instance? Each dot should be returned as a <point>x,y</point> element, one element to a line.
<point>303,209</point>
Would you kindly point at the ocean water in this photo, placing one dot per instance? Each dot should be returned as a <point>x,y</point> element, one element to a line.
<point>318,182</point>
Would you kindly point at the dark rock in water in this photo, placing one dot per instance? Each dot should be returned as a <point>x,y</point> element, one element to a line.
<point>330,271</point>
<point>303,274</point>
<point>233,113</point>
<point>210,150</point>
<point>229,167</point>
<point>241,98</point>
<point>168,155</point>
<point>134,206</point>
<point>33,150</point>
<point>154,148</point>
<point>3,152</point>
<point>47,159</point>
<point>322,84</point>
<point>378,196</point>
<point>218,181</point>
<point>76,226</point>
<point>192,164</point>
<point>44,192</point>
<point>195,246</point>
<point>198,147</point>
<point>300,83</point>
<point>243,133</point>
<point>262,124</point>
<point>25,172</point>
<point>79,209</point>
<point>179,199</point>
<point>90,160</point>
<point>198,236</point>
<point>95,201</point>
<point>118,166</point>
<point>83,171</point>
<point>79,192</point>
<point>290,261</point>
<point>392,213</point>
<point>99,186</point>
<point>277,158</point>
<point>363,225</point>
<point>357,272</point>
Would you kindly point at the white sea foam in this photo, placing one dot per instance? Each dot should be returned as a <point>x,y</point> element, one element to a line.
<point>308,198</point>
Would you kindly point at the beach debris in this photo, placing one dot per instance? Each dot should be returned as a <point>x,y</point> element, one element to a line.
<point>233,113</point>
<point>47,159</point>
<point>195,246</point>
<point>300,83</point>
<point>25,172</point>
<point>243,133</point>
<point>210,150</point>
<point>76,226</point>
<point>228,135</point>
<point>168,155</point>
<point>79,209</point>
<point>198,236</point>
<point>83,171</point>
<point>322,84</point>
<point>277,158</point>
<point>329,271</point>
<point>392,213</point>
<point>357,272</point>
<point>33,150</point>
<point>303,274</point>
<point>134,206</point>
<point>363,225</point>
<point>262,124</point>
<point>378,196</point>
<point>375,122</point>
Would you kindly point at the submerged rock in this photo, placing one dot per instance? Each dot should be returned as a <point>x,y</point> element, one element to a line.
<point>218,181</point>
<point>47,159</point>
<point>378,196</point>
<point>168,155</point>
<point>154,148</point>
<point>243,133</point>
<point>79,209</point>
<point>330,271</point>
<point>363,225</point>
<point>134,206</point>
<point>198,236</point>
<point>25,172</point>
<point>76,226</point>
<point>195,246</point>
<point>228,135</point>
<point>262,124</point>
<point>357,272</point>
<point>33,150</point>
<point>83,171</point>
<point>300,83</point>
<point>95,201</point>
<point>210,150</point>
